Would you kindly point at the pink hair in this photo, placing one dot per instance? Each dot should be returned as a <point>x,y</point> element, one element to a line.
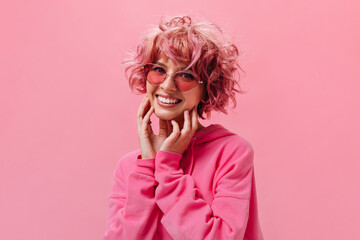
<point>203,48</point>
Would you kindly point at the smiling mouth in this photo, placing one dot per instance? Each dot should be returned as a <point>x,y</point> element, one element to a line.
<point>165,100</point>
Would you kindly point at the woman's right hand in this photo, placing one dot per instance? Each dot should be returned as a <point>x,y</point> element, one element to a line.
<point>144,129</point>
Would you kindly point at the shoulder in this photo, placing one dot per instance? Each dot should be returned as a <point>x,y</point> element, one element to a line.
<point>235,161</point>
<point>233,148</point>
<point>219,137</point>
<point>237,143</point>
<point>238,150</point>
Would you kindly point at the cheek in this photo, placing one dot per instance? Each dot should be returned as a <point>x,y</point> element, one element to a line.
<point>148,89</point>
<point>197,96</point>
<point>150,92</point>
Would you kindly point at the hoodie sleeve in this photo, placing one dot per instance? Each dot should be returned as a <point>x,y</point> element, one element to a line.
<point>133,212</point>
<point>187,215</point>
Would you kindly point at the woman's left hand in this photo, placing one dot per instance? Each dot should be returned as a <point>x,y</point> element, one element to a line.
<point>178,140</point>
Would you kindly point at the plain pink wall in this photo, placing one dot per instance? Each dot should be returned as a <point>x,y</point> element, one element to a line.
<point>67,114</point>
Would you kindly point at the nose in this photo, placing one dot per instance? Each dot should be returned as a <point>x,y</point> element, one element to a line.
<point>168,84</point>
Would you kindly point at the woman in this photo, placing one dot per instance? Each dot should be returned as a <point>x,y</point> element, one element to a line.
<point>190,181</point>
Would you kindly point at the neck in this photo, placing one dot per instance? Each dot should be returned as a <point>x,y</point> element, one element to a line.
<point>181,124</point>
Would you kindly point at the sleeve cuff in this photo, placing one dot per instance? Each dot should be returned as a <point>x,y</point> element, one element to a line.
<point>145,166</point>
<point>167,161</point>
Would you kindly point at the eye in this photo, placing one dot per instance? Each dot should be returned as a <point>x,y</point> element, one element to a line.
<point>187,76</point>
<point>158,69</point>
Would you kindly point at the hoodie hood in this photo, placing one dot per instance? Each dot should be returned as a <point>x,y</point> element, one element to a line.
<point>206,134</point>
<point>211,132</point>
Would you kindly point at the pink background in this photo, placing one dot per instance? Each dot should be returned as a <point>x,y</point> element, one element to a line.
<point>67,114</point>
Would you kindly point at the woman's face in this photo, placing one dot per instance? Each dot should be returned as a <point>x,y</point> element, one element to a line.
<point>167,90</point>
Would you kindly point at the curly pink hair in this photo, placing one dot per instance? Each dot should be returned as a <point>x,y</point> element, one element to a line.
<point>203,48</point>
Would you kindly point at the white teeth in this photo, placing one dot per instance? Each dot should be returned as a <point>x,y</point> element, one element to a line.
<point>167,100</point>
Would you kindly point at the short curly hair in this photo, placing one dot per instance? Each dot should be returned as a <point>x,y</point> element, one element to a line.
<point>201,47</point>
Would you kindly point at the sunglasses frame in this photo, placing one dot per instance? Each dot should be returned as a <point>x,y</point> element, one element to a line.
<point>197,79</point>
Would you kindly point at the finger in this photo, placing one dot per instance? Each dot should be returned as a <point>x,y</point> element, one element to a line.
<point>146,119</point>
<point>163,128</point>
<point>194,120</point>
<point>147,106</point>
<point>176,130</point>
<point>169,128</point>
<point>187,123</point>
<point>150,128</point>
<point>141,111</point>
<point>141,107</point>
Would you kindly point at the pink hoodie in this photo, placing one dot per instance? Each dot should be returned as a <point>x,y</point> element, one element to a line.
<point>206,193</point>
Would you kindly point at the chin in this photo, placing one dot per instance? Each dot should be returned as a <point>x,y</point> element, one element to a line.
<point>166,116</point>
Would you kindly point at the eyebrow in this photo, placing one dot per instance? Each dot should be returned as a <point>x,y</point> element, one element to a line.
<point>160,63</point>
<point>163,65</point>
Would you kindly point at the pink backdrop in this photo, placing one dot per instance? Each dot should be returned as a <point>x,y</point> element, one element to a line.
<point>67,114</point>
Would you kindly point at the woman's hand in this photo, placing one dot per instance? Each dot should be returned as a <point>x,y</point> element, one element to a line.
<point>149,142</point>
<point>179,139</point>
<point>144,129</point>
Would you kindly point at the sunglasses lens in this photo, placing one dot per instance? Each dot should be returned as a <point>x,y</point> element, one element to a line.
<point>155,75</point>
<point>185,81</point>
